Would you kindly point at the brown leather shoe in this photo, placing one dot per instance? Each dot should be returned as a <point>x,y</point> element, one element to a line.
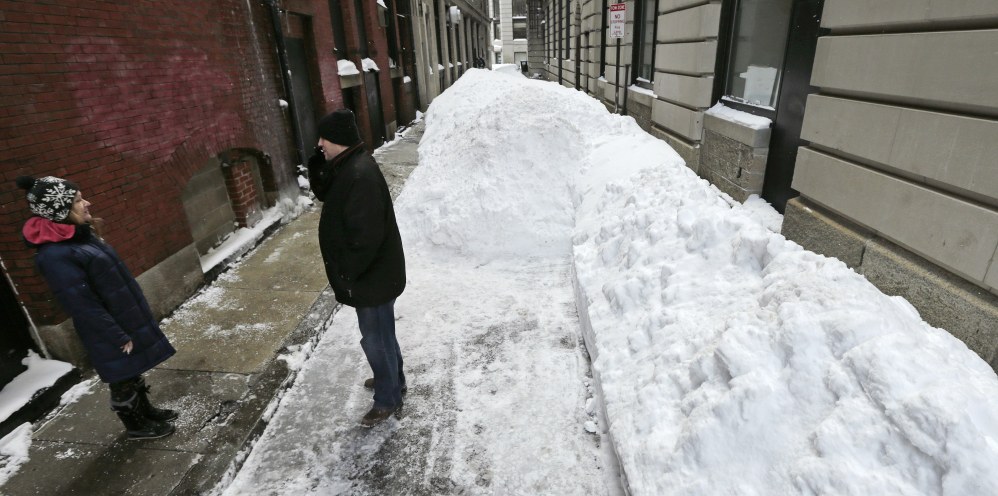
<point>376,415</point>
<point>369,384</point>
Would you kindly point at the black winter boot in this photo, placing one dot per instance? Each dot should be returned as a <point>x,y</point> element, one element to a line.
<point>146,408</point>
<point>125,403</point>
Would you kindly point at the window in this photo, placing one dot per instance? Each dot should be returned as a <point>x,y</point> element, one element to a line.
<point>563,32</point>
<point>361,34</point>
<point>644,53</point>
<point>519,8</point>
<point>519,28</point>
<point>758,42</point>
<point>602,40</point>
<point>549,31</point>
<point>393,48</point>
<point>339,36</point>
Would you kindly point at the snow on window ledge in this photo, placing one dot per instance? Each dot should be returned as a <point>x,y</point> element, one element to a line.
<point>738,117</point>
<point>370,65</point>
<point>639,89</point>
<point>346,68</point>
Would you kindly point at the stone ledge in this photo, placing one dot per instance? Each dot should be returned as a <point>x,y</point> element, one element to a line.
<point>824,232</point>
<point>169,283</point>
<point>756,138</point>
<point>690,152</point>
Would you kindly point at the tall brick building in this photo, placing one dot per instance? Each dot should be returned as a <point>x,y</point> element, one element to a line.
<point>180,120</point>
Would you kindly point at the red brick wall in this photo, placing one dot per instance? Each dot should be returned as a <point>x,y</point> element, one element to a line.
<point>377,50</point>
<point>242,190</point>
<point>322,37</point>
<point>129,99</point>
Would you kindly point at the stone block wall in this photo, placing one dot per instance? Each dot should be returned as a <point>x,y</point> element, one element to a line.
<point>733,158</point>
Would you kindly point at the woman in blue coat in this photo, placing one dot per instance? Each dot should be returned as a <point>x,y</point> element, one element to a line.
<point>109,311</point>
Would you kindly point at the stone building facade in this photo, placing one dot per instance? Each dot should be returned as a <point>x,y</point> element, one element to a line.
<point>449,36</point>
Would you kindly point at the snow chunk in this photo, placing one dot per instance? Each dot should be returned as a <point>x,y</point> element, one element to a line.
<point>764,213</point>
<point>369,65</point>
<point>346,68</point>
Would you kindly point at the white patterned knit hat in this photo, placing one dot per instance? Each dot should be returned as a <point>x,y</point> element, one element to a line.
<point>49,197</point>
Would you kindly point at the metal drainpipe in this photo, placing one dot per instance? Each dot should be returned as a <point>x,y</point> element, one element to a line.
<point>627,83</point>
<point>282,57</point>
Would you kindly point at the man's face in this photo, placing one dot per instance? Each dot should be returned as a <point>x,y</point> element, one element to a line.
<point>330,149</point>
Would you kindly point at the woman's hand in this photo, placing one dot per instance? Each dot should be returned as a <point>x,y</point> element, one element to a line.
<point>127,348</point>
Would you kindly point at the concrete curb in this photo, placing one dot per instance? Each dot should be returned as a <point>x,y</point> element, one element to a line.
<point>588,338</point>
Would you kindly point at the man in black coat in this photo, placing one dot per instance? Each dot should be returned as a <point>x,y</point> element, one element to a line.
<point>361,250</point>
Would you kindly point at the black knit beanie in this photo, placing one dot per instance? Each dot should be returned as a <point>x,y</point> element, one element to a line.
<point>49,197</point>
<point>340,127</point>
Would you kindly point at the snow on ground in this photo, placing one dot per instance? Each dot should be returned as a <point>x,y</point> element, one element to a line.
<point>42,373</point>
<point>243,239</point>
<point>14,450</point>
<point>730,360</point>
<point>496,373</point>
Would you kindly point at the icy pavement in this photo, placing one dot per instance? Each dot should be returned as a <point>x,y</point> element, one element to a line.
<point>496,401</point>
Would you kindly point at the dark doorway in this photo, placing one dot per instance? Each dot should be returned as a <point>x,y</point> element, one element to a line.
<point>301,83</point>
<point>15,339</point>
<point>805,20</point>
<point>377,121</point>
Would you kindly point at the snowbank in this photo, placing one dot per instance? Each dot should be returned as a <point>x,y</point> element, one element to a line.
<point>732,361</point>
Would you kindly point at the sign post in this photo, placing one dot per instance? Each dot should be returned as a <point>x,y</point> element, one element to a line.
<point>618,20</point>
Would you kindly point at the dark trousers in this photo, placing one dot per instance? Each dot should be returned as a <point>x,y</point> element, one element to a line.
<point>377,328</point>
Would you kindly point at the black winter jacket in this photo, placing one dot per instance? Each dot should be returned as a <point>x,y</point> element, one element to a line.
<point>107,306</point>
<point>358,235</point>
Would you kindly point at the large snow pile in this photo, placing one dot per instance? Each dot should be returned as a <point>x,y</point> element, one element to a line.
<point>732,361</point>
<point>497,163</point>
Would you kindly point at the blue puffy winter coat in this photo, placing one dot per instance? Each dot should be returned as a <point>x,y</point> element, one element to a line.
<point>106,304</point>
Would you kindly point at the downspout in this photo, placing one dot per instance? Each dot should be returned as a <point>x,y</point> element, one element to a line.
<point>282,57</point>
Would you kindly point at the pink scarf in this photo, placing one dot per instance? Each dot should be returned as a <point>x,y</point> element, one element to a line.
<point>39,230</point>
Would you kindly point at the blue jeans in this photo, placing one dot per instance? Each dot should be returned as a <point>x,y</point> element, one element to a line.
<point>377,328</point>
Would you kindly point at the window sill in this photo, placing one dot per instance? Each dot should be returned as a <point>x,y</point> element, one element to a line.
<point>767,112</point>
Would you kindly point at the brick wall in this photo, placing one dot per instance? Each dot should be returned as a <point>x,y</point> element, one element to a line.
<point>242,192</point>
<point>130,99</point>
<point>376,49</point>
<point>322,37</point>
